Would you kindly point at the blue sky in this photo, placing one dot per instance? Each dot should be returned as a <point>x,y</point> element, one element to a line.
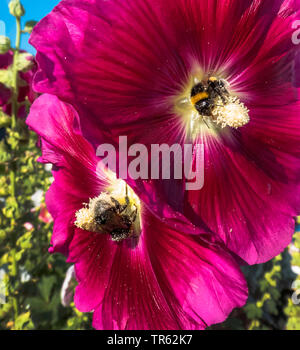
<point>35,10</point>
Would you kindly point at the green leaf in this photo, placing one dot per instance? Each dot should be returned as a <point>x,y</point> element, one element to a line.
<point>45,287</point>
<point>29,26</point>
<point>23,321</point>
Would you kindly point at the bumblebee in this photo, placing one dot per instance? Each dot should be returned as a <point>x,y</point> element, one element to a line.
<point>111,217</point>
<point>205,95</point>
<point>107,215</point>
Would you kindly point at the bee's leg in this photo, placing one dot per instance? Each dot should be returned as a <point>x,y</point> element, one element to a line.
<point>119,235</point>
<point>133,216</point>
<point>116,203</point>
<point>125,206</point>
<point>205,122</point>
<point>223,94</point>
<point>120,208</point>
<point>127,202</point>
<point>223,98</point>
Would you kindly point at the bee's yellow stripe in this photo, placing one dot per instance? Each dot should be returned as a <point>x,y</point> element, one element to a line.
<point>199,97</point>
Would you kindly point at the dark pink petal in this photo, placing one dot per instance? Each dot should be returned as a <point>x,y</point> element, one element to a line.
<point>62,208</point>
<point>249,209</point>
<point>297,70</point>
<point>75,165</point>
<point>6,60</point>
<point>251,193</point>
<point>204,277</point>
<point>167,280</point>
<point>57,125</point>
<point>93,255</point>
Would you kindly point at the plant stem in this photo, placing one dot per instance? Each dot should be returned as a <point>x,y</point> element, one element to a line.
<point>15,96</point>
<point>14,116</point>
<point>15,75</point>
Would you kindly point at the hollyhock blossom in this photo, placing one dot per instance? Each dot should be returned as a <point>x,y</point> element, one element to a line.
<point>147,277</point>
<point>129,68</point>
<point>26,93</point>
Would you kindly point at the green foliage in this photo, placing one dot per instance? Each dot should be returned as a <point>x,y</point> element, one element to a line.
<point>4,44</point>
<point>270,305</point>
<point>29,27</point>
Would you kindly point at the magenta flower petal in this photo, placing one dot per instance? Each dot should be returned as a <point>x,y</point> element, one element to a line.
<point>170,292</point>
<point>174,259</point>
<point>249,212</point>
<point>63,228</point>
<point>65,148</point>
<point>297,70</point>
<point>6,60</point>
<point>60,132</point>
<point>168,274</point>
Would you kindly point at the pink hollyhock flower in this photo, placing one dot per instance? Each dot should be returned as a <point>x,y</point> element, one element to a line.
<point>129,69</point>
<point>133,270</point>
<point>26,93</point>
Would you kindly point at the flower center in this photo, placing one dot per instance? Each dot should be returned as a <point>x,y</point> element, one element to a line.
<point>208,103</point>
<point>115,212</point>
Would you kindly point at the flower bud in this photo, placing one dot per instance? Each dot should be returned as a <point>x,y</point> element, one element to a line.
<point>16,8</point>
<point>5,120</point>
<point>4,44</point>
<point>6,77</point>
<point>24,62</point>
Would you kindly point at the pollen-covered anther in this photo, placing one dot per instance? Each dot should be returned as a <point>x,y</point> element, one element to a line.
<point>85,217</point>
<point>234,113</point>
